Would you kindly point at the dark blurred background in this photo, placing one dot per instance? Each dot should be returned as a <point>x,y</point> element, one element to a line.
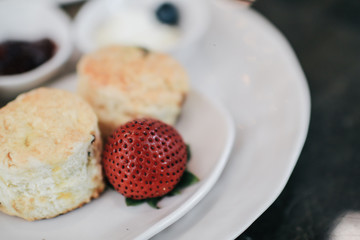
<point>324,186</point>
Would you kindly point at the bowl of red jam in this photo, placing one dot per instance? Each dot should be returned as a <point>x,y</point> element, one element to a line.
<point>35,42</point>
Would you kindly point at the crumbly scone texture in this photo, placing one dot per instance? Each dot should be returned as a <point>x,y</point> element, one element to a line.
<point>124,83</point>
<point>50,152</point>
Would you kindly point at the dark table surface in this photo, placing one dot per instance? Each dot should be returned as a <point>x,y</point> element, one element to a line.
<point>324,186</point>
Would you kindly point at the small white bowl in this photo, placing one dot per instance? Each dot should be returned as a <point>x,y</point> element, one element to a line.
<point>194,19</point>
<point>31,21</point>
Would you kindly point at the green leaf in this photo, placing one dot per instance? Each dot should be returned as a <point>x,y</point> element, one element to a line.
<point>186,180</point>
<point>188,151</point>
<point>133,202</point>
<point>144,50</point>
<point>153,202</point>
<point>109,185</point>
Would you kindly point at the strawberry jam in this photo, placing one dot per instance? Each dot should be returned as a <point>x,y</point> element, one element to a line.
<point>22,56</point>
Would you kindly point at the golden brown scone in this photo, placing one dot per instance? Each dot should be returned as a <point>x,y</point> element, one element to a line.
<point>123,83</point>
<point>50,150</point>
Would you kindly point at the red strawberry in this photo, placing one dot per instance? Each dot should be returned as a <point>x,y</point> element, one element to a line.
<point>144,158</point>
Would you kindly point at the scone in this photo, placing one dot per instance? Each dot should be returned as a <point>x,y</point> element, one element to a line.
<point>50,149</point>
<point>123,83</point>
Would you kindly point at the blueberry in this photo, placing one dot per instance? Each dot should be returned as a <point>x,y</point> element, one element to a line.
<point>168,13</point>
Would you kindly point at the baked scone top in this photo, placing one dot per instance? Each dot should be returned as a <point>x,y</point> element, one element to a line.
<point>43,126</point>
<point>129,68</point>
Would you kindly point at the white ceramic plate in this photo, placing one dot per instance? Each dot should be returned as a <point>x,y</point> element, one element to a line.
<point>250,67</point>
<point>247,65</point>
<point>209,131</point>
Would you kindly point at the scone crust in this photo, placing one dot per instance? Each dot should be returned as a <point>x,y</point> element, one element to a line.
<point>44,124</point>
<point>123,83</point>
<point>50,152</point>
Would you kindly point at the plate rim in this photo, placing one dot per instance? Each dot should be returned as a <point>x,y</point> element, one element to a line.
<point>305,122</point>
<point>304,112</point>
